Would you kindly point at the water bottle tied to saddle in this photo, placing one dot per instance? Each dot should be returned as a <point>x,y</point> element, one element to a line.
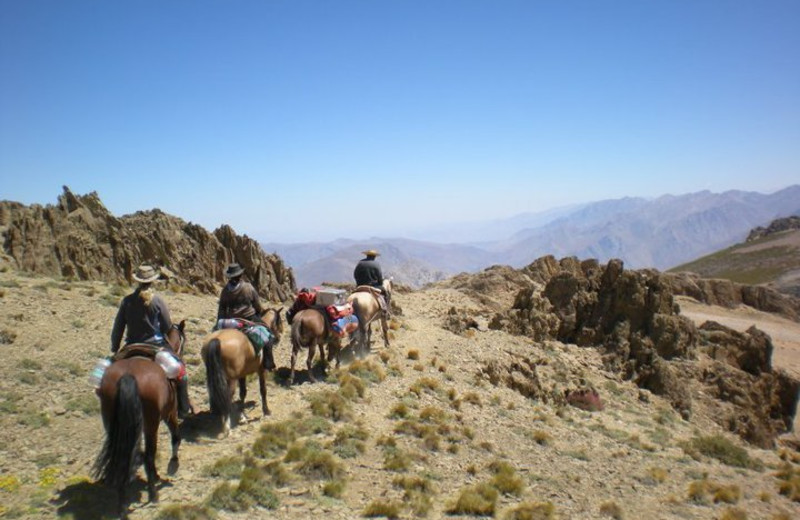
<point>96,374</point>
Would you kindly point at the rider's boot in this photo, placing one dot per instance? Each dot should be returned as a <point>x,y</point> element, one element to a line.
<point>185,408</point>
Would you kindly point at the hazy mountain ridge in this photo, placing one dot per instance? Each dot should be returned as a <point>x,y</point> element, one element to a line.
<point>659,233</point>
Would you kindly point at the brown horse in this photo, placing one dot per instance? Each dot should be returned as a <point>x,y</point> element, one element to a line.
<point>311,329</point>
<point>368,309</point>
<point>229,357</point>
<point>135,396</point>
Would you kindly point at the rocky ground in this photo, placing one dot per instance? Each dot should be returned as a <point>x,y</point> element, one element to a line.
<point>430,436</point>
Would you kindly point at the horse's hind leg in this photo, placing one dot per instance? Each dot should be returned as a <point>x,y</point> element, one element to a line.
<point>150,446</point>
<point>262,387</point>
<point>310,361</point>
<point>242,389</point>
<point>175,434</point>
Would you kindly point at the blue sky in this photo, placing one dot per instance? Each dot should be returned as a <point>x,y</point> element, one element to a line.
<point>299,120</point>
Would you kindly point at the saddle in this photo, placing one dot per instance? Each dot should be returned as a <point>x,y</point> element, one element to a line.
<point>171,365</point>
<point>378,294</point>
<point>147,350</point>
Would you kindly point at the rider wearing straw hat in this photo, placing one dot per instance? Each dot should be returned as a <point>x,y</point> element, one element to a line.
<point>146,317</point>
<point>368,272</point>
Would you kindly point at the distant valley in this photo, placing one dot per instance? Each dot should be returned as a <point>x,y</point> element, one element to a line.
<point>661,233</point>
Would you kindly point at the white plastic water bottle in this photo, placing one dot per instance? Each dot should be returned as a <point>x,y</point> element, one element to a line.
<point>169,363</point>
<point>96,375</point>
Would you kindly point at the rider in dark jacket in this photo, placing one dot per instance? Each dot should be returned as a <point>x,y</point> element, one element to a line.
<point>239,298</point>
<point>368,272</point>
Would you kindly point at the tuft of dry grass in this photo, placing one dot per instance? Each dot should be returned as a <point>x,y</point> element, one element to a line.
<point>384,508</point>
<point>541,437</point>
<point>531,511</point>
<point>424,384</point>
<point>505,478</point>
<point>472,398</point>
<point>349,441</point>
<point>611,509</point>
<point>384,356</point>
<point>789,482</point>
<point>478,500</point>
<point>733,513</point>
<point>226,468</point>
<point>185,512</point>
<point>728,494</point>
<point>720,448</point>
<point>367,370</point>
<point>412,354</point>
<point>351,387</point>
<point>331,405</point>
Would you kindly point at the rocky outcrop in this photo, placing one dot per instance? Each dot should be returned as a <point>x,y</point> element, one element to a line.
<point>776,226</point>
<point>726,293</point>
<point>78,238</point>
<point>632,317</point>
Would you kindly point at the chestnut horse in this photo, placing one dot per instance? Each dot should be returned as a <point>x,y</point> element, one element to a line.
<point>368,309</point>
<point>230,357</point>
<point>311,329</point>
<point>135,396</point>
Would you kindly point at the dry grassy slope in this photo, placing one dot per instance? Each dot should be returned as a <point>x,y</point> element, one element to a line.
<point>581,462</point>
<point>773,259</point>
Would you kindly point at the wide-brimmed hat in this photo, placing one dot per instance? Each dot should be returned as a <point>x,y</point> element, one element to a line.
<point>145,274</point>
<point>234,270</point>
<point>370,252</point>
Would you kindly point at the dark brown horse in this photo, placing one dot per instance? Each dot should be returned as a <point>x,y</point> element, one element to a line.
<point>311,330</point>
<point>368,309</point>
<point>135,396</point>
<point>230,357</point>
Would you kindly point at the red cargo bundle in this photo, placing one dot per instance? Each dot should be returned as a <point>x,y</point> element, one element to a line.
<point>336,312</point>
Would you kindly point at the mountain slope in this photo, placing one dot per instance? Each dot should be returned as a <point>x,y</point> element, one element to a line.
<point>769,258</point>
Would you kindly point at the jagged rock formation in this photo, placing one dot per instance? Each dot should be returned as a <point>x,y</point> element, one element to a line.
<point>79,238</point>
<point>776,226</point>
<point>632,317</point>
<point>726,293</point>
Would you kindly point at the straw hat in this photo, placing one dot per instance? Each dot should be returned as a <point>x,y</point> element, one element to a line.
<point>145,274</point>
<point>233,271</point>
<point>370,252</point>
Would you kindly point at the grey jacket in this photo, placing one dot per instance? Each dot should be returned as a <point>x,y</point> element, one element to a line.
<point>144,324</point>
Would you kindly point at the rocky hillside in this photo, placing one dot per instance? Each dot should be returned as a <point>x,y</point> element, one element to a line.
<point>632,317</point>
<point>79,239</point>
<point>770,257</point>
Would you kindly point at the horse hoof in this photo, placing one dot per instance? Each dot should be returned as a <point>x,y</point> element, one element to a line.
<point>267,412</point>
<point>173,466</point>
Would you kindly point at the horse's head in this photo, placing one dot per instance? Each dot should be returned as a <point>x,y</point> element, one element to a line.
<point>176,337</point>
<point>274,321</point>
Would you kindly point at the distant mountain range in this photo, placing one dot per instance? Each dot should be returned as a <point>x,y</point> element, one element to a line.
<point>661,233</point>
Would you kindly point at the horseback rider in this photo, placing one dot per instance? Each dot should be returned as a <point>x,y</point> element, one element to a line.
<point>368,272</point>
<point>146,317</point>
<point>239,299</point>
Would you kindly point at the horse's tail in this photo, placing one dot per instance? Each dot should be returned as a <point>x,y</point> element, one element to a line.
<point>117,459</point>
<point>297,341</point>
<point>219,396</point>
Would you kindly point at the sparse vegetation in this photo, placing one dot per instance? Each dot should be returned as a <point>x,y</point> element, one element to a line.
<point>185,512</point>
<point>386,508</point>
<point>478,500</point>
<point>412,354</point>
<point>611,509</point>
<point>720,448</point>
<point>531,511</point>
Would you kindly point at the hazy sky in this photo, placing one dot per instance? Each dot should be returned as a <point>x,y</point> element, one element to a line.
<point>299,120</point>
